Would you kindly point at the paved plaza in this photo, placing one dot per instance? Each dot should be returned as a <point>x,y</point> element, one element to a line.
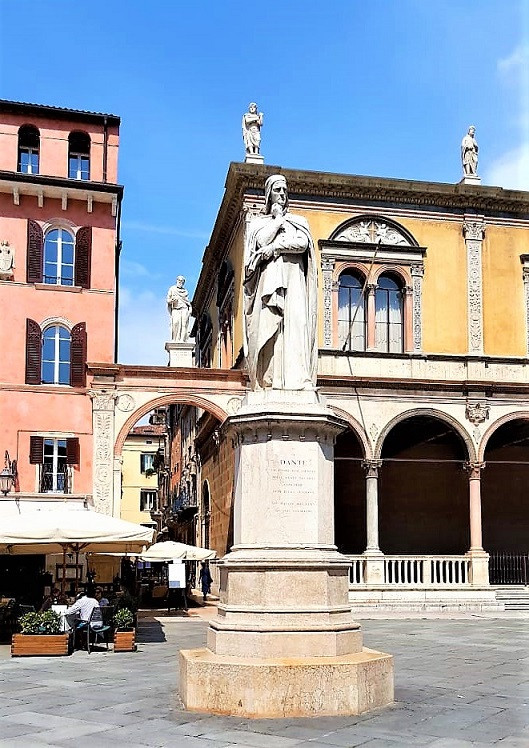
<point>458,683</point>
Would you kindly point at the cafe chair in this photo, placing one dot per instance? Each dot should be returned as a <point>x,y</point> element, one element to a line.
<point>96,628</point>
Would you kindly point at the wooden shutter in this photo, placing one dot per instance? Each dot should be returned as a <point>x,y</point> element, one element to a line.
<point>35,251</point>
<point>72,451</point>
<point>78,355</point>
<point>33,352</point>
<point>83,256</point>
<point>36,450</point>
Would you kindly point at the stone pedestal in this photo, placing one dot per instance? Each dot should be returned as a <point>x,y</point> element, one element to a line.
<point>254,158</point>
<point>180,354</point>
<point>284,642</point>
<point>471,179</point>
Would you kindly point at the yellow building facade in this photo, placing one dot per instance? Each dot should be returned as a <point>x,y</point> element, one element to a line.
<point>423,324</point>
<point>139,477</point>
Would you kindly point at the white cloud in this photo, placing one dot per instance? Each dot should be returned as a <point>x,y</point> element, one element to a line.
<point>511,170</point>
<point>152,228</point>
<point>517,60</point>
<point>143,328</point>
<point>136,269</point>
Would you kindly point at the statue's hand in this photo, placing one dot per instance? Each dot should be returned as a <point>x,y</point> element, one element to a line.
<point>268,252</point>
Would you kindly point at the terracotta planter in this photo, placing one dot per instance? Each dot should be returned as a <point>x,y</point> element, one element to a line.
<point>124,641</point>
<point>50,645</point>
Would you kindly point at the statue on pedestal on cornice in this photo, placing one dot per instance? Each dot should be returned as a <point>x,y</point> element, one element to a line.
<point>179,307</point>
<point>469,153</point>
<point>252,121</point>
<point>280,296</point>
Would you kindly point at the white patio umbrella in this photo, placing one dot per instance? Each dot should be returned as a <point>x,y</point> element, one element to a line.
<point>170,551</point>
<point>71,531</point>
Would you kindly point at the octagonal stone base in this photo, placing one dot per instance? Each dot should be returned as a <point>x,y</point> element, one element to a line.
<point>285,687</point>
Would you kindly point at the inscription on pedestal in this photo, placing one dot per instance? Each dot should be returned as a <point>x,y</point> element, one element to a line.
<point>293,486</point>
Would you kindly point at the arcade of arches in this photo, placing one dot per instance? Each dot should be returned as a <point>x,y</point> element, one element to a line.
<point>423,492</point>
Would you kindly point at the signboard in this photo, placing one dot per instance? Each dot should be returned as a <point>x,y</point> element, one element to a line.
<point>177,575</point>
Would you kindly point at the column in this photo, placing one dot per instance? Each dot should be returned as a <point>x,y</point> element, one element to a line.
<point>371,317</point>
<point>327,268</point>
<point>479,560</point>
<point>374,563</point>
<point>525,272</point>
<point>417,272</point>
<point>474,233</point>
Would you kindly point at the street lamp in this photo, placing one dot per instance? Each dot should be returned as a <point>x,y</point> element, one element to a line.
<point>7,476</point>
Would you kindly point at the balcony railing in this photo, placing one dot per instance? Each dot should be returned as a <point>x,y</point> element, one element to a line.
<point>184,501</point>
<point>415,571</point>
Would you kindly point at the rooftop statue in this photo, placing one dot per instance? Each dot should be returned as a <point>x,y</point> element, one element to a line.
<point>280,290</point>
<point>469,153</point>
<point>252,121</point>
<point>179,307</point>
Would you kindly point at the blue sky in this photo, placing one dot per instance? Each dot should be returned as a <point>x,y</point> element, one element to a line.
<point>380,88</point>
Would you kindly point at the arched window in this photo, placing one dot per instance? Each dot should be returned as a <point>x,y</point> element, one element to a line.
<point>59,257</point>
<point>56,355</point>
<point>389,317</point>
<point>79,155</point>
<point>28,149</point>
<point>351,313</point>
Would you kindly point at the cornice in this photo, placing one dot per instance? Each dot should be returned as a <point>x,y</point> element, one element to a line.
<point>192,374</point>
<point>244,180</point>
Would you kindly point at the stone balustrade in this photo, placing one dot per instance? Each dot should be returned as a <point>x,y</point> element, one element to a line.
<point>414,571</point>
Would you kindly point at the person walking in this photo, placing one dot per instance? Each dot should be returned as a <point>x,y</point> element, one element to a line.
<point>205,579</point>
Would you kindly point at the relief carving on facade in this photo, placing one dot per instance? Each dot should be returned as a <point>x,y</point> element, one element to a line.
<point>103,428</point>
<point>327,266</point>
<point>474,231</point>
<point>477,413</point>
<point>125,402</point>
<point>373,232</point>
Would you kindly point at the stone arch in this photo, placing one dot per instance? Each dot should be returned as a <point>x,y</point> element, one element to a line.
<point>519,416</point>
<point>433,413</point>
<point>356,427</point>
<point>372,228</point>
<point>187,398</point>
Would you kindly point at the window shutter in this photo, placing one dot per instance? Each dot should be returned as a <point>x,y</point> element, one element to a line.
<point>36,450</point>
<point>33,352</point>
<point>72,451</point>
<point>34,258</point>
<point>83,256</point>
<point>78,356</point>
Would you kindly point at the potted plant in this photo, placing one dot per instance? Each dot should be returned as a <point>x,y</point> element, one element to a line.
<point>124,632</point>
<point>40,634</point>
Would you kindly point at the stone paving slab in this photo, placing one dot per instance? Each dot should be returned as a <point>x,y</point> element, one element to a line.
<point>458,683</point>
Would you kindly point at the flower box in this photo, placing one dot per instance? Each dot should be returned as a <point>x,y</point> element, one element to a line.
<point>49,645</point>
<point>125,641</point>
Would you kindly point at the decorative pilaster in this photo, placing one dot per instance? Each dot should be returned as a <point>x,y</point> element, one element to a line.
<point>103,404</point>
<point>525,271</point>
<point>474,233</point>
<point>327,268</point>
<point>417,273</point>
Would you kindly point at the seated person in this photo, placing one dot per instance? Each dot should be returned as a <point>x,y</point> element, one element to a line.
<point>84,605</point>
<point>100,599</point>
<point>55,598</point>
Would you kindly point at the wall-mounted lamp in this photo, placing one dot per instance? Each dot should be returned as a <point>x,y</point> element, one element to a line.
<point>7,475</point>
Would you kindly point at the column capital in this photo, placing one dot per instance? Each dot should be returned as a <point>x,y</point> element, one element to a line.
<point>328,263</point>
<point>371,288</point>
<point>474,229</point>
<point>474,469</point>
<point>372,467</point>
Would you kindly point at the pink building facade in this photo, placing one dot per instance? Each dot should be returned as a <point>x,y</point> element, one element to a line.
<point>60,208</point>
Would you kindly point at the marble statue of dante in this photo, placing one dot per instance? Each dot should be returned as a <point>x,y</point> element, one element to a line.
<point>252,122</point>
<point>179,307</point>
<point>280,296</point>
<point>469,153</point>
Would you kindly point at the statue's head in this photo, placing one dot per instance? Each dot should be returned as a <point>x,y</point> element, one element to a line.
<point>471,130</point>
<point>252,107</point>
<point>276,191</point>
<point>180,281</point>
